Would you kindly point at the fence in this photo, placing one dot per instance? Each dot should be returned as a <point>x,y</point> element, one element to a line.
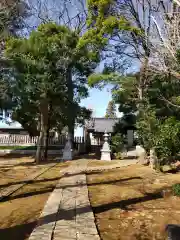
<point>24,140</point>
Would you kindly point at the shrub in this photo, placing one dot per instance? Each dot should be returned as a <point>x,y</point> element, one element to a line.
<point>162,135</point>
<point>118,155</point>
<point>176,189</point>
<point>147,126</point>
<point>117,143</point>
<point>167,138</point>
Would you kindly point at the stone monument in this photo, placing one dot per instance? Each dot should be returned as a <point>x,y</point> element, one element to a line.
<point>153,158</point>
<point>105,151</point>
<point>142,156</point>
<point>68,152</point>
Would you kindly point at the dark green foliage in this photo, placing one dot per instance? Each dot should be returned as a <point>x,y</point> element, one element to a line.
<point>125,93</point>
<point>163,135</point>
<point>111,110</point>
<point>117,143</point>
<point>82,115</point>
<point>147,126</point>
<point>151,99</point>
<point>167,138</point>
<point>27,115</point>
<point>48,75</point>
<point>13,14</point>
<point>176,189</point>
<point>127,121</point>
<point>161,90</point>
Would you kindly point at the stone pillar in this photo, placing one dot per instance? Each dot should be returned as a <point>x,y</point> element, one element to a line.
<point>105,151</point>
<point>130,138</point>
<point>68,152</point>
<point>4,114</point>
<point>153,158</point>
<point>87,142</point>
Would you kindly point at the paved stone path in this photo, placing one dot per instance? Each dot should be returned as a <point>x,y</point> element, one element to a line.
<point>67,213</point>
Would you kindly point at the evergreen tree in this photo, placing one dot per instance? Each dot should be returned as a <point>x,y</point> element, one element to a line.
<point>111,110</point>
<point>49,71</point>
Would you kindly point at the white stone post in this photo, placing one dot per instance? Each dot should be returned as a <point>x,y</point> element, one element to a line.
<point>105,151</point>
<point>4,114</point>
<point>68,152</point>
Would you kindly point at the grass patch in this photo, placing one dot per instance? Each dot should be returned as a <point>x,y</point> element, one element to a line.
<point>12,174</point>
<point>176,189</point>
<point>20,212</point>
<point>128,203</point>
<point>96,163</point>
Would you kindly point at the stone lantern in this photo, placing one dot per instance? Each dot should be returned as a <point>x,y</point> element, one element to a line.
<point>105,151</point>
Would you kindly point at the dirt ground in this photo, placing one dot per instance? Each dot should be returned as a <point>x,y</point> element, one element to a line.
<point>15,170</point>
<point>20,211</point>
<point>129,205</point>
<point>96,163</point>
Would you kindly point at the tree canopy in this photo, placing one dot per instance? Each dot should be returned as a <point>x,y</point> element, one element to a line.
<point>48,72</point>
<point>45,74</point>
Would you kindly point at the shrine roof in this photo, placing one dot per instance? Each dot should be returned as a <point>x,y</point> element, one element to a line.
<point>101,124</point>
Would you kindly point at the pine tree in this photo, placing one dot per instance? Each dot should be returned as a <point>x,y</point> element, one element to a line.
<point>111,110</point>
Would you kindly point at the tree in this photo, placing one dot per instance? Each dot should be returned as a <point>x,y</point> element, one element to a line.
<point>153,94</point>
<point>165,45</point>
<point>111,110</point>
<point>50,69</point>
<point>26,113</point>
<point>35,67</point>
<point>13,14</point>
<point>127,28</point>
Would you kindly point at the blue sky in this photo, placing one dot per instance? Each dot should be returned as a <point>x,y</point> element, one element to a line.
<point>98,101</point>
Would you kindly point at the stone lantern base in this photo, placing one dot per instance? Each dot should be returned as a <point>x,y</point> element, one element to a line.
<point>105,155</point>
<point>105,151</point>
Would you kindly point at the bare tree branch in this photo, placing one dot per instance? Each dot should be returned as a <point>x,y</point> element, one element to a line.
<point>168,102</point>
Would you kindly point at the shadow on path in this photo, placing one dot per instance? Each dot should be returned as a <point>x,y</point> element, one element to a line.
<point>29,182</point>
<point>49,189</point>
<point>16,232</point>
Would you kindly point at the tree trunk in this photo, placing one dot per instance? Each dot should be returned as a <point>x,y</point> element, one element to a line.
<point>71,112</point>
<point>47,129</point>
<point>46,144</point>
<point>44,126</point>
<point>71,132</point>
<point>142,85</point>
<point>143,80</point>
<point>40,142</point>
<point>87,142</point>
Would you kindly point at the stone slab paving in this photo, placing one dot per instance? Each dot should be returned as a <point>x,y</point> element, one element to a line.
<point>67,213</point>
<point>47,220</point>
<point>75,219</point>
